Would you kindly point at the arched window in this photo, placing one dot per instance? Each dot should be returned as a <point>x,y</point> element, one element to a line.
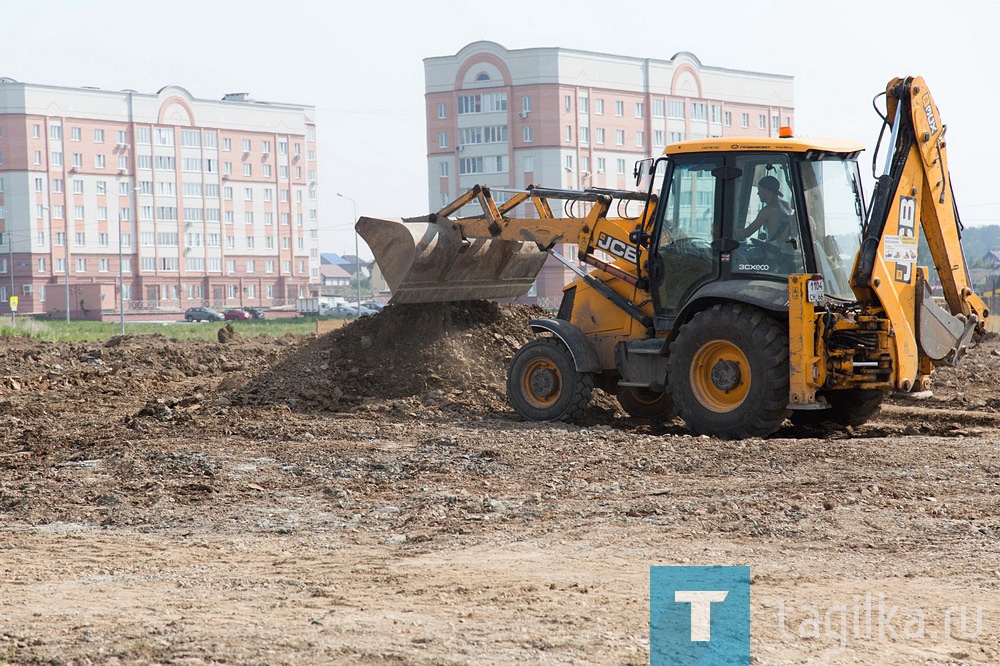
<point>483,76</point>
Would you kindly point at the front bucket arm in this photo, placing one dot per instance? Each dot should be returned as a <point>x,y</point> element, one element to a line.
<point>426,262</point>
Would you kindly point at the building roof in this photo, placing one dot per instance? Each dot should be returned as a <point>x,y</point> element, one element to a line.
<point>331,258</point>
<point>333,271</point>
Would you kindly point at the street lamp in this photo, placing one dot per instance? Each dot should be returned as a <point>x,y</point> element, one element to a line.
<point>357,257</point>
<point>66,220</point>
<point>10,249</point>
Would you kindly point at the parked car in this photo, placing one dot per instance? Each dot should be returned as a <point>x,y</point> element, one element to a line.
<point>257,313</point>
<point>202,314</point>
<point>232,315</point>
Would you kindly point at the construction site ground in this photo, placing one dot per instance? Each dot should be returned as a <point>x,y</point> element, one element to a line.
<point>367,496</point>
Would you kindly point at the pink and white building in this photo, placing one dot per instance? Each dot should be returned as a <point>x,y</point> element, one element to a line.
<point>159,201</point>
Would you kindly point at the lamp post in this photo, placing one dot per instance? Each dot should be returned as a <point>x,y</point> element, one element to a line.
<point>121,272</point>
<point>10,252</point>
<point>67,267</point>
<point>357,257</point>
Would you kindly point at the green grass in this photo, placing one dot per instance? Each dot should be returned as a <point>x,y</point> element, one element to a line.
<point>79,331</point>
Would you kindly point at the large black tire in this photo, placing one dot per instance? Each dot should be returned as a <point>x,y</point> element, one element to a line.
<point>728,372</point>
<point>543,383</point>
<point>848,407</point>
<point>645,404</point>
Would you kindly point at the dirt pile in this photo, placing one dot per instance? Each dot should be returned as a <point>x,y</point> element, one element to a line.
<point>443,354</point>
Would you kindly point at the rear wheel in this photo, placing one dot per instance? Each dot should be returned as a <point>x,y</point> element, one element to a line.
<point>544,385</point>
<point>645,404</point>
<point>728,372</point>
<point>848,407</point>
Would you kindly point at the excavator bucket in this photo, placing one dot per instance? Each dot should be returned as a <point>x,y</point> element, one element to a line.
<point>426,261</point>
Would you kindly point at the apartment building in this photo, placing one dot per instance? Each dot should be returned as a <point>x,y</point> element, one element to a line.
<point>577,119</point>
<point>156,201</point>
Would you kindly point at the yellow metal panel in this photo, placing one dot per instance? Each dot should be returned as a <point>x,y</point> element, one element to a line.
<point>727,144</point>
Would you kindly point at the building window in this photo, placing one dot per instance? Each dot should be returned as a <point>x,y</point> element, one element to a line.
<point>247,169</point>
<point>640,139</point>
<point>621,167</point>
<point>638,109</point>
<point>727,118</point>
<point>569,133</point>
<point>675,108</point>
<point>745,120</point>
<point>699,111</point>
<point>567,103</point>
<point>526,131</point>
<point>143,136</point>
<point>658,108</point>
<point>761,121</point>
<point>227,143</point>
<point>619,137</point>
<point>442,140</point>
<point>569,161</point>
<point>601,164</point>
<point>584,135</point>
<point>74,133</point>
<point>164,136</point>
<point>444,169</point>
<point>775,122</point>
<point>599,106</point>
<point>619,108</point>
<point>99,161</point>
<point>716,113</point>
<point>55,132</point>
<point>599,135</point>
<point>81,265</point>
<point>659,138</point>
<point>584,104</point>
<point>529,163</point>
<point>98,136</point>
<point>442,110</point>
<point>526,104</point>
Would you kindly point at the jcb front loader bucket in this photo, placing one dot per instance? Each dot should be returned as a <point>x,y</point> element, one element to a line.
<point>425,262</point>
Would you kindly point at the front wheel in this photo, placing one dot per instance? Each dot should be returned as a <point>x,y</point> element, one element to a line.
<point>728,372</point>
<point>543,383</point>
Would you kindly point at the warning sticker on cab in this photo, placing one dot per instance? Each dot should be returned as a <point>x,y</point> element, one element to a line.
<point>901,249</point>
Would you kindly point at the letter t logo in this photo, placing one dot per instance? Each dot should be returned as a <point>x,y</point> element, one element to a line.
<point>701,610</point>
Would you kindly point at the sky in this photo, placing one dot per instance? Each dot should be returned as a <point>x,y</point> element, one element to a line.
<point>362,68</point>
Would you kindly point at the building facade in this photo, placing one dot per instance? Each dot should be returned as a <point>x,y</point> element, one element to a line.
<point>156,201</point>
<point>576,119</point>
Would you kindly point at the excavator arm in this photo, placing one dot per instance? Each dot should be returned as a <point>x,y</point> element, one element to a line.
<point>497,254</point>
<point>914,193</point>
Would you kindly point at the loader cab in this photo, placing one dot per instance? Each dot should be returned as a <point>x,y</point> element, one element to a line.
<point>718,236</point>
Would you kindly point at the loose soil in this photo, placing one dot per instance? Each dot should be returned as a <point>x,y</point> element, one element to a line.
<point>368,497</point>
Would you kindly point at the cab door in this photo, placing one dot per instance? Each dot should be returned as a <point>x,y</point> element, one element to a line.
<point>683,254</point>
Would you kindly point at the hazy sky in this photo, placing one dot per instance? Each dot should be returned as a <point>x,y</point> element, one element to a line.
<point>363,68</point>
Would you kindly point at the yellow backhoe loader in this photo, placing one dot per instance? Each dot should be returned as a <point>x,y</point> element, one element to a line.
<point>741,285</point>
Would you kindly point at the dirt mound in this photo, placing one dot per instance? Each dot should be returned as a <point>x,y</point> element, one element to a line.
<point>444,353</point>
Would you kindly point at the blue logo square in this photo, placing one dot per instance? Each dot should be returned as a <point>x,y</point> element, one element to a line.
<point>699,615</point>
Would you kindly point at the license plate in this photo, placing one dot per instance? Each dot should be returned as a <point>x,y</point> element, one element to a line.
<point>814,291</point>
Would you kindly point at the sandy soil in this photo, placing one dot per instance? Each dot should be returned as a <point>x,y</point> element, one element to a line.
<point>368,497</point>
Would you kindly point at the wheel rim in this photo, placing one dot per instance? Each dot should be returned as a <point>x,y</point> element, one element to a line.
<point>541,383</point>
<point>720,376</point>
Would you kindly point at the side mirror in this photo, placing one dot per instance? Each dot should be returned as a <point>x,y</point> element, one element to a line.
<point>642,171</point>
